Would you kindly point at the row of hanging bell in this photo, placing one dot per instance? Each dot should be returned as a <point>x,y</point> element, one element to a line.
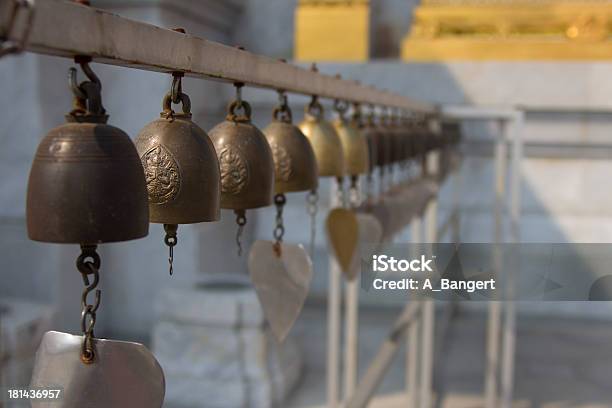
<point>87,186</point>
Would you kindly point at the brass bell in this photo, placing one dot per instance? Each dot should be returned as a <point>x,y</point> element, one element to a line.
<point>367,128</point>
<point>295,165</point>
<point>383,157</point>
<point>86,183</point>
<point>324,140</point>
<point>245,159</point>
<point>181,168</point>
<point>354,144</point>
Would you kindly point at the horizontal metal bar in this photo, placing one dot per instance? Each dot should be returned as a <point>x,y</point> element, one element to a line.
<point>67,29</point>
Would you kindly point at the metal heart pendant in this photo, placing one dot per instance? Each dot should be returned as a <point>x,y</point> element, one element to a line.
<point>123,374</point>
<point>370,235</point>
<point>342,230</point>
<point>282,280</point>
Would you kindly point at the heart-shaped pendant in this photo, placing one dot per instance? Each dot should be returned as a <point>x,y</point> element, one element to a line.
<point>370,235</point>
<point>122,375</point>
<point>281,277</point>
<point>342,232</point>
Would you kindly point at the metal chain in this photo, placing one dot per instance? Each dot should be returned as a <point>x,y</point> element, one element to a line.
<point>312,200</point>
<point>88,263</point>
<point>340,196</point>
<point>354,193</point>
<point>171,240</point>
<point>241,222</point>
<point>369,187</point>
<point>279,229</point>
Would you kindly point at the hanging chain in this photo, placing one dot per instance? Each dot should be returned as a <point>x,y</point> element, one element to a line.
<point>369,187</point>
<point>241,222</point>
<point>171,240</point>
<point>340,196</point>
<point>282,112</point>
<point>279,229</point>
<point>354,194</point>
<point>312,200</point>
<point>88,263</point>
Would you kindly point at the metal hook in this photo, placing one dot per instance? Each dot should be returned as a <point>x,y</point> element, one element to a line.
<point>241,221</point>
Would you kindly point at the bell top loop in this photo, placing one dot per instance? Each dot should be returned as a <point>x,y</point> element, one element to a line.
<point>282,112</point>
<point>232,116</point>
<point>341,107</point>
<point>168,112</point>
<point>87,104</point>
<point>314,109</point>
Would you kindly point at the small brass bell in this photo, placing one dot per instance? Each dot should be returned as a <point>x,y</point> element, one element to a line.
<point>181,168</point>
<point>354,144</point>
<point>86,183</point>
<point>324,140</point>
<point>295,166</point>
<point>245,159</point>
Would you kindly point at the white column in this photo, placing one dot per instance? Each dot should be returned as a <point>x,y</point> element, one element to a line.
<point>333,319</point>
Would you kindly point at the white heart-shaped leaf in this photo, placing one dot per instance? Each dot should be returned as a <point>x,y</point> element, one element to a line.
<point>282,280</point>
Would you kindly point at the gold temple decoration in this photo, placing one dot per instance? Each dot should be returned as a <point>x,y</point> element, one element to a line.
<point>332,30</point>
<point>510,30</point>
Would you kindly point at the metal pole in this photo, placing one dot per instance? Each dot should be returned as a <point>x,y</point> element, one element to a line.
<point>427,337</point>
<point>383,358</point>
<point>352,335</point>
<point>494,323</point>
<point>509,337</point>
<point>412,345</point>
<point>333,319</point>
<point>66,29</point>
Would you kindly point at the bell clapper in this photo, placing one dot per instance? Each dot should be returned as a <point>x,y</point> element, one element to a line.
<point>312,200</point>
<point>279,229</point>
<point>88,263</point>
<point>241,222</point>
<point>171,240</point>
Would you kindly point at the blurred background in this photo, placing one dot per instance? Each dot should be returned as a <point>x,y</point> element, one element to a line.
<point>548,58</point>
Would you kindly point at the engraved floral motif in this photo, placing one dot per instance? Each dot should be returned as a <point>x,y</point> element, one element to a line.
<point>234,172</point>
<point>282,162</point>
<point>162,175</point>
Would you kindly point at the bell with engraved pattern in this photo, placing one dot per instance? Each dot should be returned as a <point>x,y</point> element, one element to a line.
<point>245,159</point>
<point>181,168</point>
<point>295,166</point>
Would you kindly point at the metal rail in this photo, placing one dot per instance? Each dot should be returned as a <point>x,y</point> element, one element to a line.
<point>67,29</point>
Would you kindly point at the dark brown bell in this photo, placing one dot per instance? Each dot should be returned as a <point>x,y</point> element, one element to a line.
<point>383,143</point>
<point>368,130</point>
<point>181,168</point>
<point>86,183</point>
<point>245,159</point>
<point>295,166</point>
